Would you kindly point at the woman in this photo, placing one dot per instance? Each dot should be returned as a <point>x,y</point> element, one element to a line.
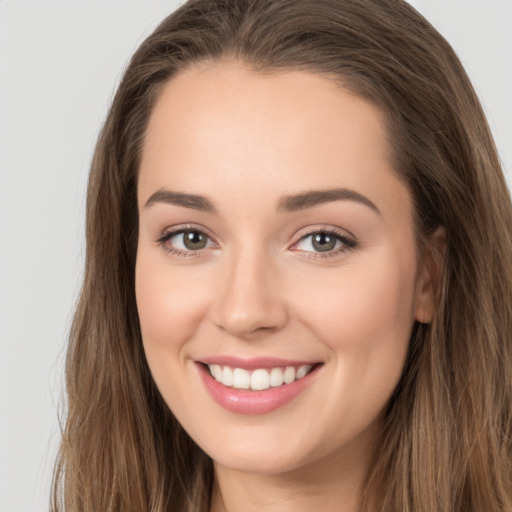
<point>298,279</point>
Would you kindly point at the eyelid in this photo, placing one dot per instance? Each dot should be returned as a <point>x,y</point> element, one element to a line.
<point>346,237</point>
<point>172,231</point>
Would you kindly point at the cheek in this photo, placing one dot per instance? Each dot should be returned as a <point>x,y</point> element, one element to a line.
<point>365,313</point>
<point>365,317</point>
<point>169,306</point>
<point>363,303</point>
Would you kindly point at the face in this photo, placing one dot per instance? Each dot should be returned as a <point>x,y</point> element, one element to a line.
<point>277,276</point>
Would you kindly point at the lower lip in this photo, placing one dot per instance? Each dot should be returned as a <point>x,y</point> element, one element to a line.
<point>243,401</point>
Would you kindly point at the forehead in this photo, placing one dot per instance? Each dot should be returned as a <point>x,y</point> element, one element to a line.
<point>212,97</point>
<point>225,128</point>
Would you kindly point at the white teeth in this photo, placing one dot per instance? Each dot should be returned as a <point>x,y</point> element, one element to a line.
<point>260,380</point>
<point>227,376</point>
<point>241,379</point>
<point>276,377</point>
<point>257,380</point>
<point>301,371</point>
<point>216,372</point>
<point>289,375</point>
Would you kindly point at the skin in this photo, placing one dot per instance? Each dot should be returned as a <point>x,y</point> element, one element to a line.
<point>244,140</point>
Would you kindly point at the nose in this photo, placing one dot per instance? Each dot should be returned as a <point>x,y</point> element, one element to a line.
<point>250,301</point>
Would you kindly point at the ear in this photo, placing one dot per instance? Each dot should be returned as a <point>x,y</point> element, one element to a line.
<point>429,276</point>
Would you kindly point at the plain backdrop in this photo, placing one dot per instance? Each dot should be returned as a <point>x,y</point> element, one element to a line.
<point>59,64</point>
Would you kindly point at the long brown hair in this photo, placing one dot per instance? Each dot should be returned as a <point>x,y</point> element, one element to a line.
<point>446,443</point>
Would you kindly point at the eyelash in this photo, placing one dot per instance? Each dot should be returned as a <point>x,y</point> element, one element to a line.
<point>167,235</point>
<point>348,243</point>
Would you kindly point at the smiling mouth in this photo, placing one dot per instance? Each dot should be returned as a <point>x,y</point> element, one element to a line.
<point>259,379</point>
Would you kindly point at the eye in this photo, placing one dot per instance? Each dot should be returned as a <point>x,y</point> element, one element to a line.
<point>324,241</point>
<point>185,241</point>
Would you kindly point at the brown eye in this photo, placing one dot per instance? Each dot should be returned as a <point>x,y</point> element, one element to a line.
<point>185,241</point>
<point>194,240</point>
<point>323,242</point>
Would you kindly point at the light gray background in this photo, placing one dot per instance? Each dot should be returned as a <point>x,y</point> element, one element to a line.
<point>59,64</point>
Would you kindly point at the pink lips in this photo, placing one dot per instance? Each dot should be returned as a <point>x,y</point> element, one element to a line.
<point>244,401</point>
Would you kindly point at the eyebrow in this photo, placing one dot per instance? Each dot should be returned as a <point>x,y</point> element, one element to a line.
<point>289,203</point>
<point>193,201</point>
<point>317,197</point>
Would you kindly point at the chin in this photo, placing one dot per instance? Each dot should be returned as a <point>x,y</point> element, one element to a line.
<point>260,461</point>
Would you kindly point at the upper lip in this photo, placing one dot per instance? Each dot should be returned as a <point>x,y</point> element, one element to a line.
<point>254,363</point>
